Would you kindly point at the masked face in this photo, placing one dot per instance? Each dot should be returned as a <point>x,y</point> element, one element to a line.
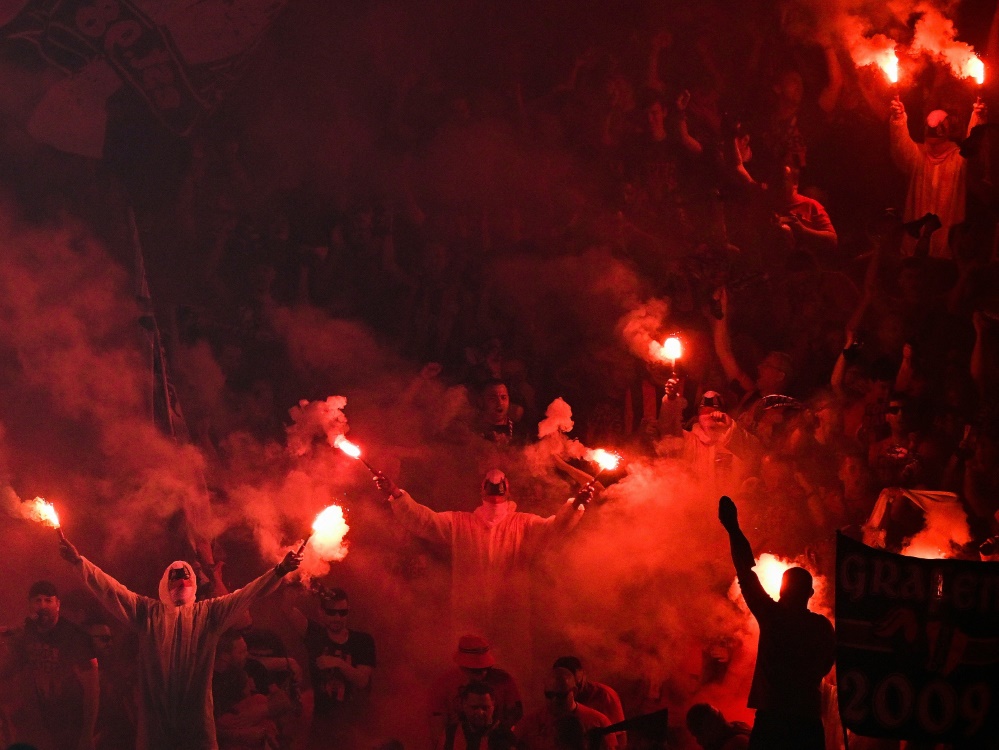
<point>44,611</point>
<point>494,487</point>
<point>180,584</point>
<point>937,126</point>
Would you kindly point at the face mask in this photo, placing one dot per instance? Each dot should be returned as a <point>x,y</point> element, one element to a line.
<point>177,585</point>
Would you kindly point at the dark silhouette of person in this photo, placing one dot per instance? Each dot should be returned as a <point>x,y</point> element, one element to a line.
<point>796,650</point>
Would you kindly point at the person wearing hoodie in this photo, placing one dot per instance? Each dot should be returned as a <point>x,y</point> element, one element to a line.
<point>177,641</point>
<point>491,550</point>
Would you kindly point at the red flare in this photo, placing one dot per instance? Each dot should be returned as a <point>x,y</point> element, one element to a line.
<point>606,460</point>
<point>328,532</point>
<point>351,449</point>
<point>42,511</point>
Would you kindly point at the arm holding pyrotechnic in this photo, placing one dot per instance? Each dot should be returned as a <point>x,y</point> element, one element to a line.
<point>227,608</point>
<point>415,518</point>
<point>979,116</point>
<point>115,597</point>
<point>904,151</point>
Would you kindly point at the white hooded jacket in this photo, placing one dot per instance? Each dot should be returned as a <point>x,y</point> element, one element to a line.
<point>176,655</point>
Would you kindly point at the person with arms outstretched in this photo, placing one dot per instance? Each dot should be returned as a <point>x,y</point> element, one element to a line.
<point>177,641</point>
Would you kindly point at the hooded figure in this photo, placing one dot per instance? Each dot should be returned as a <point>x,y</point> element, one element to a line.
<point>491,552</point>
<point>177,639</point>
<point>936,172</point>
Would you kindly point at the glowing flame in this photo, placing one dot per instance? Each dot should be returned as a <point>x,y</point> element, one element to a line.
<point>770,570</point>
<point>936,35</point>
<point>672,348</point>
<point>890,66</point>
<point>42,511</point>
<point>606,460</point>
<point>975,68</point>
<point>875,50</point>
<point>351,449</point>
<point>924,550</point>
<point>328,532</point>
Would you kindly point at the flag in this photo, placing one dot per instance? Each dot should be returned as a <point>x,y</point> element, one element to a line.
<point>917,646</point>
<point>179,56</point>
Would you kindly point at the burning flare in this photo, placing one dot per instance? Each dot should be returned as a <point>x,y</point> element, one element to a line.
<point>328,532</point>
<point>890,67</point>
<point>670,350</point>
<point>42,511</point>
<point>770,570</point>
<point>874,50</point>
<point>936,35</point>
<point>975,68</point>
<point>351,449</point>
<point>606,460</point>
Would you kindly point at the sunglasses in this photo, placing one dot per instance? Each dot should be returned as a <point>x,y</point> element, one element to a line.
<point>336,612</point>
<point>554,695</point>
<point>179,574</point>
<point>893,410</point>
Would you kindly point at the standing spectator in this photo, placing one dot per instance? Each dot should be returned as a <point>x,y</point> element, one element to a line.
<point>475,664</point>
<point>936,171</point>
<point>491,551</point>
<point>796,650</point>
<point>246,716</point>
<point>56,670</point>
<point>116,718</point>
<point>540,730</point>
<point>477,727</point>
<point>177,640</point>
<point>716,447</point>
<point>341,663</point>
<point>805,220</point>
<point>595,695</point>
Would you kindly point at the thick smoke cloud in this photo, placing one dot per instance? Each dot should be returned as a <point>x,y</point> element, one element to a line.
<point>641,588</point>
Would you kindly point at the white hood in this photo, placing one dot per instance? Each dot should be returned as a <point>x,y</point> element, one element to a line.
<point>164,589</point>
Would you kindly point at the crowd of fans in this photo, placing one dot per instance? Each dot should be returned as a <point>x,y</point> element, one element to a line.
<point>838,345</point>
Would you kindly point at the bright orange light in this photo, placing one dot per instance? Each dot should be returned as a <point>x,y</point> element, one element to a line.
<point>42,511</point>
<point>606,460</point>
<point>925,550</point>
<point>889,64</point>
<point>770,570</point>
<point>672,349</point>
<point>975,68</point>
<point>351,449</point>
<point>328,532</point>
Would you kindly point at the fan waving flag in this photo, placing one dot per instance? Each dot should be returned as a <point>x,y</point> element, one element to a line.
<point>179,56</point>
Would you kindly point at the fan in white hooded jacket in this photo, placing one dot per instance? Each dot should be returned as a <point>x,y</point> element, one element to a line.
<point>177,641</point>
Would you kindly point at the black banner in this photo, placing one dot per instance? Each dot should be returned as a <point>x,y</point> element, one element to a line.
<point>917,652</point>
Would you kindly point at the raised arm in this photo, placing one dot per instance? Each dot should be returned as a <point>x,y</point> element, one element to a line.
<point>904,151</point>
<point>415,518</point>
<point>723,346</point>
<point>979,116</point>
<point>830,94</point>
<point>125,605</point>
<point>226,609</point>
<point>742,555</point>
